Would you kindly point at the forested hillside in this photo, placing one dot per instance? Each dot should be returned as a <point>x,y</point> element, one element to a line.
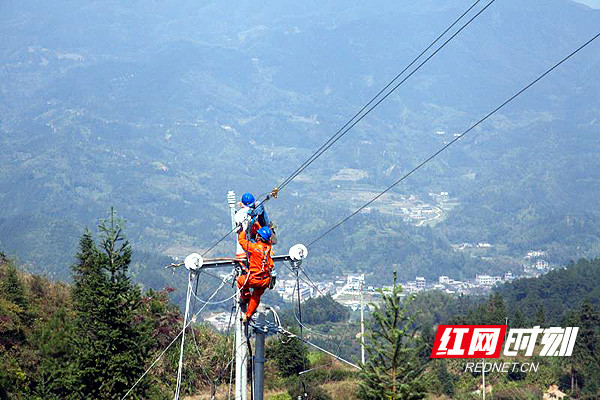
<point>553,295</point>
<point>59,341</point>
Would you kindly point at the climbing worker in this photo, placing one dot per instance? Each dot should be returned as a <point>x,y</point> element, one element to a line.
<point>258,216</point>
<point>258,272</point>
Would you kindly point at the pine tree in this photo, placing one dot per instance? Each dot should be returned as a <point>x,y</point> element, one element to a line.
<point>496,310</point>
<point>393,368</point>
<point>540,316</point>
<point>54,378</point>
<point>291,357</point>
<point>519,321</point>
<point>446,378</point>
<point>11,286</point>
<point>111,344</point>
<point>586,354</point>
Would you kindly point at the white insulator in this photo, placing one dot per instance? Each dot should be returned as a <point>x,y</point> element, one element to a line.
<point>193,261</point>
<point>298,252</point>
<point>231,198</point>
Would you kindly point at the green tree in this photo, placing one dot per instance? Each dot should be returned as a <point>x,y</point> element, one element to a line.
<point>55,373</point>
<point>586,354</point>
<point>519,321</point>
<point>11,286</point>
<point>496,310</point>
<point>324,309</point>
<point>111,340</point>
<point>446,378</point>
<point>540,316</point>
<point>393,369</point>
<point>291,356</point>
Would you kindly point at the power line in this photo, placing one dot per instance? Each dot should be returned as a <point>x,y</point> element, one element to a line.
<point>349,125</point>
<point>309,282</point>
<point>292,335</point>
<point>218,241</point>
<point>173,341</point>
<point>455,139</point>
<point>345,128</point>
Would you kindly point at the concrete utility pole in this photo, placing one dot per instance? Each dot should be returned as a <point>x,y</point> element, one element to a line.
<point>362,325</point>
<point>483,378</point>
<point>296,269</point>
<point>259,355</point>
<point>241,370</point>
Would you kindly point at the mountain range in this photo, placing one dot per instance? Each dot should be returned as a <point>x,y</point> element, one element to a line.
<point>160,108</point>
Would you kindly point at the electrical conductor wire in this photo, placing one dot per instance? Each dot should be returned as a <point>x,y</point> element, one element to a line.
<point>455,139</point>
<point>347,128</point>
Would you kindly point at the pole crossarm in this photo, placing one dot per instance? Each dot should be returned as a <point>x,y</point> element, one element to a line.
<point>232,262</point>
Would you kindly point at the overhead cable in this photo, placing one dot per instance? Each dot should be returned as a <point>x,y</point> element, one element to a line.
<point>350,124</point>
<point>455,139</point>
<point>175,339</point>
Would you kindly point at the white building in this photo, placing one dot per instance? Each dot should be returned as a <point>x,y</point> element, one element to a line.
<point>444,280</point>
<point>355,282</point>
<point>411,287</point>
<point>487,280</point>
<point>509,276</point>
<point>420,282</point>
<point>535,254</point>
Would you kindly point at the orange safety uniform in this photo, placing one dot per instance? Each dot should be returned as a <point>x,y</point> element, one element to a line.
<point>258,274</point>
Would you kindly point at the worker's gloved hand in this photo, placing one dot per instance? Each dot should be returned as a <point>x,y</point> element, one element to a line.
<point>238,228</point>
<point>273,280</point>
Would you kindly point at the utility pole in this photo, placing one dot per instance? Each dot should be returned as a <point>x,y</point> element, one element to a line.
<point>362,324</point>
<point>259,355</point>
<point>296,269</point>
<point>241,370</point>
<point>483,378</point>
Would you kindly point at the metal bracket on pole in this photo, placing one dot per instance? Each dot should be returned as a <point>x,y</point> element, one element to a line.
<point>195,263</point>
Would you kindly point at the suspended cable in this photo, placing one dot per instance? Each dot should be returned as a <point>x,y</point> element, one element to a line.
<point>455,139</point>
<point>214,302</point>
<point>187,305</point>
<point>308,282</point>
<point>292,335</point>
<point>345,128</point>
<point>349,125</point>
<point>304,326</point>
<point>218,241</point>
<point>174,340</point>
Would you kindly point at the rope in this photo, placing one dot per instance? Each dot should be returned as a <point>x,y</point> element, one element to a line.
<point>173,341</point>
<point>187,306</point>
<point>214,302</point>
<point>233,349</point>
<point>456,139</point>
<point>278,329</point>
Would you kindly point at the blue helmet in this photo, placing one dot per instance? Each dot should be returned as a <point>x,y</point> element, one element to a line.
<point>265,233</point>
<point>247,199</point>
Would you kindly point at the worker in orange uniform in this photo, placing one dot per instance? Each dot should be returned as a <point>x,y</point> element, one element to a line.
<point>258,272</point>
